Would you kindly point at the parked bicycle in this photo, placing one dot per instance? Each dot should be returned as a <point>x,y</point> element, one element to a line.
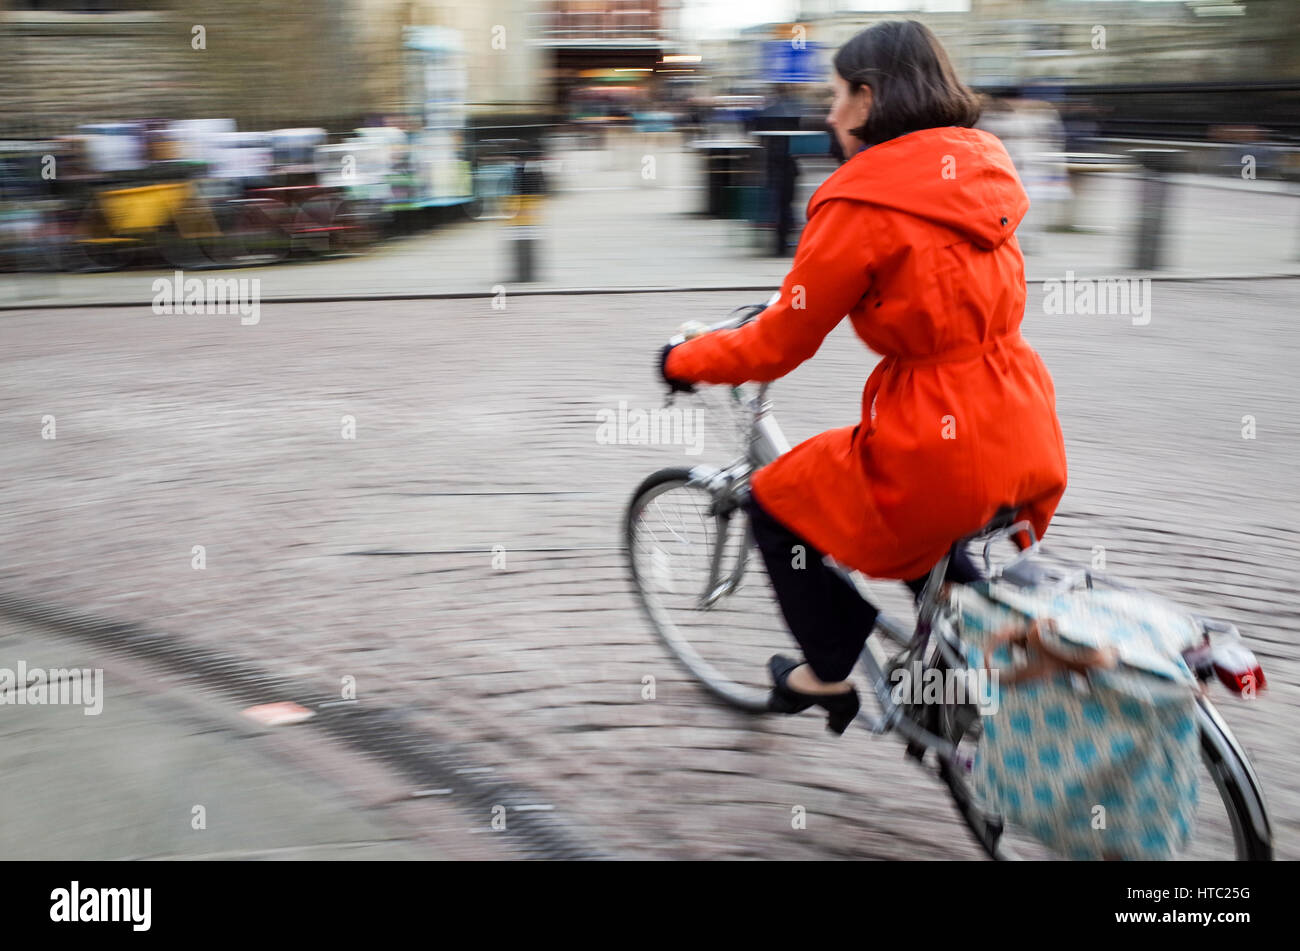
<point>706,594</point>
<point>175,222</point>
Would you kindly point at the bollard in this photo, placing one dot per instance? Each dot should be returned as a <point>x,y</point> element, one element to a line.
<point>524,231</point>
<point>1290,165</point>
<point>714,181</point>
<point>1153,200</point>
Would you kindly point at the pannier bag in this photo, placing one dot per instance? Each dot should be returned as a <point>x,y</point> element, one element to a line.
<point>1093,745</point>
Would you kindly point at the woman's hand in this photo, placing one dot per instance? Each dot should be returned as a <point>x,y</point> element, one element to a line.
<point>687,331</point>
<point>674,386</point>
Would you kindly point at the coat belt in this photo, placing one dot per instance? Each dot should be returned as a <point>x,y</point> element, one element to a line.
<point>956,354</point>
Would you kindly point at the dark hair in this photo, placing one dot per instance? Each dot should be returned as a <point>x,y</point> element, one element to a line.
<point>913,84</point>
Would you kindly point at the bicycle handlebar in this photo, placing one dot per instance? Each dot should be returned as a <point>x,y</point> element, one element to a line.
<point>731,323</point>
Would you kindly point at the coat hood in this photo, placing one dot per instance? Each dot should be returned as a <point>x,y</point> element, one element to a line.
<point>960,178</point>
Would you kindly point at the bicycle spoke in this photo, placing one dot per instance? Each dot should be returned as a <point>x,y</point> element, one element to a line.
<point>672,543</point>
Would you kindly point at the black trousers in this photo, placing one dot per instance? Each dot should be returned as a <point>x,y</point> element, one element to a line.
<point>828,618</point>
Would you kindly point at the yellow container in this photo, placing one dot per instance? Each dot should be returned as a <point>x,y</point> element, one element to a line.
<point>146,208</point>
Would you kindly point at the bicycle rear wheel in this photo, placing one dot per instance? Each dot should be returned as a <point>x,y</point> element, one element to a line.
<point>703,587</point>
<point>1231,821</point>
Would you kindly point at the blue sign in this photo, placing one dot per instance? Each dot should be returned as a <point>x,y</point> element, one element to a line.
<point>784,62</point>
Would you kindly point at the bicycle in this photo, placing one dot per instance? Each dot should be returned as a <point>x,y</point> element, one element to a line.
<point>179,223</point>
<point>681,516</point>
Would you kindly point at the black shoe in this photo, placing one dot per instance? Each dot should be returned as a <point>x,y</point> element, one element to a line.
<point>840,708</point>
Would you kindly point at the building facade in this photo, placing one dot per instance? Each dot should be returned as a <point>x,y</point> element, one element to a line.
<point>265,63</point>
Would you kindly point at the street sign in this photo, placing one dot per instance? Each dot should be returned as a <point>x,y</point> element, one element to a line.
<point>787,62</point>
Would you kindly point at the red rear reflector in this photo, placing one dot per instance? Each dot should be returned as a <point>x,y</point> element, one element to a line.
<point>1237,669</point>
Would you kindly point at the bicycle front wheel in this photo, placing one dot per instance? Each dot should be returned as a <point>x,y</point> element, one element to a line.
<point>702,586</point>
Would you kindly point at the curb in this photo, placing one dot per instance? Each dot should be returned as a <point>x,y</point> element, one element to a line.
<point>616,291</point>
<point>379,732</point>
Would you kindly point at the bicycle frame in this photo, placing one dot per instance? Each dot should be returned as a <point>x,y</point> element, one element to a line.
<point>729,486</point>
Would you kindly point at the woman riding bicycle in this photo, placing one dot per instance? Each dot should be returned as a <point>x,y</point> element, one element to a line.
<point>913,238</point>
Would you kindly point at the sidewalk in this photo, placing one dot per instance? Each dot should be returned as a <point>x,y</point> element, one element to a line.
<point>607,226</point>
<point>160,758</point>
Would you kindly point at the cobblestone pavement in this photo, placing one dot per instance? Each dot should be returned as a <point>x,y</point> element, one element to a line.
<point>474,428</point>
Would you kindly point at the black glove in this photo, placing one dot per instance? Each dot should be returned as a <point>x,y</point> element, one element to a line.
<point>674,386</point>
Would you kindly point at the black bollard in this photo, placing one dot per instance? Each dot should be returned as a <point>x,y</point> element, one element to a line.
<point>523,233</point>
<point>1153,201</point>
<point>1290,171</point>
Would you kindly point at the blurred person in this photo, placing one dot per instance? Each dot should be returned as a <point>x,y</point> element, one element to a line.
<point>1081,121</point>
<point>697,114</point>
<point>1034,136</point>
<point>1044,172</point>
<point>913,237</point>
<point>782,112</point>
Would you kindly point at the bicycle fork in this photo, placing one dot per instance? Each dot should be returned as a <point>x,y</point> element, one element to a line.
<point>728,499</point>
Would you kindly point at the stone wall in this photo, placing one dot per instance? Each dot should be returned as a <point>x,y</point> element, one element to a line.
<point>59,69</point>
<point>265,63</point>
<point>1143,42</point>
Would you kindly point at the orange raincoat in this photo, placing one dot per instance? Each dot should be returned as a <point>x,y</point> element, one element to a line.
<point>914,240</point>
